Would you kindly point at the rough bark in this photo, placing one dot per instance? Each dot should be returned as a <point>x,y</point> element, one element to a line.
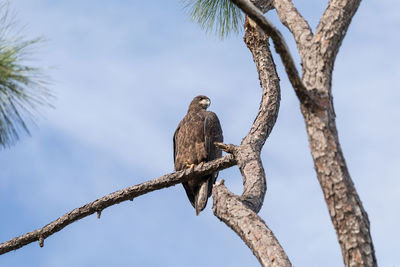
<point>333,27</point>
<point>282,49</point>
<point>345,208</point>
<point>298,26</point>
<point>117,197</point>
<point>240,212</point>
<point>318,53</point>
<point>249,161</point>
<point>249,226</point>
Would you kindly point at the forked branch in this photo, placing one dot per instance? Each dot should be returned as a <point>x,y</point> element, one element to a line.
<point>345,207</point>
<point>282,49</point>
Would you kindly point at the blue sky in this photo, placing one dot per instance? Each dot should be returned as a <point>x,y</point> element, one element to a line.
<point>124,73</point>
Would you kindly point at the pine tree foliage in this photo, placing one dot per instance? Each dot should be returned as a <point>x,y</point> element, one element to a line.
<point>219,16</point>
<point>22,87</point>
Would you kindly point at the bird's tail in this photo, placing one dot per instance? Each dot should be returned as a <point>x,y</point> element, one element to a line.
<point>200,199</point>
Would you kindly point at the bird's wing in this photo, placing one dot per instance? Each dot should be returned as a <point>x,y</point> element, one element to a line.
<point>212,133</point>
<point>175,141</point>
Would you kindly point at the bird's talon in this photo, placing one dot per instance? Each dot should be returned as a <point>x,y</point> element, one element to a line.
<point>188,165</point>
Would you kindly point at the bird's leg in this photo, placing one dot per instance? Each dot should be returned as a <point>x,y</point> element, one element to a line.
<point>191,166</point>
<point>188,165</point>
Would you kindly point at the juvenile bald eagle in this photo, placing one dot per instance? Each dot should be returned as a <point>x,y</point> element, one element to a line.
<point>194,143</point>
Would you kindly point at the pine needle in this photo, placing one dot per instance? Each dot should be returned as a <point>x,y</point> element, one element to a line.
<point>219,16</point>
<point>22,87</point>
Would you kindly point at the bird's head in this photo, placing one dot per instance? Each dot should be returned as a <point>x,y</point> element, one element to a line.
<point>200,102</point>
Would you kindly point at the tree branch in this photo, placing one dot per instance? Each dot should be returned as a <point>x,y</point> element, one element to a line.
<point>115,198</point>
<point>333,27</point>
<point>248,154</point>
<point>263,5</point>
<point>282,49</point>
<point>240,212</point>
<point>249,226</point>
<point>345,208</point>
<point>258,43</point>
<point>297,25</point>
<point>347,213</point>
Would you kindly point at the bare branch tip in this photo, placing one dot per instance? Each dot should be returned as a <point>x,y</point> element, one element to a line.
<point>98,214</point>
<point>220,182</point>
<point>200,164</point>
<point>41,241</point>
<point>227,148</point>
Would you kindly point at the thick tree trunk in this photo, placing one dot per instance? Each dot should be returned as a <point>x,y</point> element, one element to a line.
<point>318,53</point>
<point>345,208</point>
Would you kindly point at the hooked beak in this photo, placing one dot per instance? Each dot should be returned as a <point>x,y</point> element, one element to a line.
<point>206,102</point>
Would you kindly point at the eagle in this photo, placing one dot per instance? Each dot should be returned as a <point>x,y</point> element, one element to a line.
<point>194,144</point>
